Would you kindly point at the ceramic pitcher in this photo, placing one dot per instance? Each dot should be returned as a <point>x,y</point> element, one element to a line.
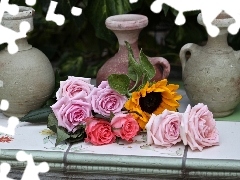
<point>212,73</point>
<point>127,28</point>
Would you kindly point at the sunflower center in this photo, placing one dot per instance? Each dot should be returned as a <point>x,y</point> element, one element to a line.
<point>150,102</point>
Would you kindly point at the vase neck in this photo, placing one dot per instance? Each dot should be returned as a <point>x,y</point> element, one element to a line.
<point>220,40</point>
<point>23,44</point>
<point>130,36</point>
<point>123,49</point>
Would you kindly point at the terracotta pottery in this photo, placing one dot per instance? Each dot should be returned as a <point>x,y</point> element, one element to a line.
<point>27,76</point>
<point>127,28</point>
<point>212,73</point>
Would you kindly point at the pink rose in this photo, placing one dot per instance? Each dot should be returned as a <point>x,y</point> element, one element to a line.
<point>75,88</point>
<point>71,113</point>
<point>105,100</point>
<point>164,129</point>
<point>99,132</point>
<point>198,128</point>
<point>125,126</point>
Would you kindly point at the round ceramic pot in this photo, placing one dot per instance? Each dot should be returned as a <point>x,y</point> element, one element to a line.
<point>27,76</point>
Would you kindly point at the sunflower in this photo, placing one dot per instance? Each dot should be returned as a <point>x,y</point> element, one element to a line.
<point>153,98</point>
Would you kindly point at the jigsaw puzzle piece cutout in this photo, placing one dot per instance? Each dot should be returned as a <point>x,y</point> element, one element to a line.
<point>180,19</point>
<point>208,18</point>
<point>31,171</point>
<point>30,2</point>
<point>133,1</point>
<point>231,8</point>
<point>180,5</point>
<point>12,9</point>
<point>208,13</point>
<point>51,16</point>
<point>9,36</point>
<point>12,121</point>
<point>234,28</point>
<point>4,170</point>
<point>4,105</point>
<point>12,124</point>
<point>76,11</point>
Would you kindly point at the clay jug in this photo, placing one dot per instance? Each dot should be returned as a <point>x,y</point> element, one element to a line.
<point>212,73</point>
<point>127,28</point>
<point>27,76</point>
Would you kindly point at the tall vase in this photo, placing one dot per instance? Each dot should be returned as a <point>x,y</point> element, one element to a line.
<point>212,73</point>
<point>27,76</point>
<point>127,28</point>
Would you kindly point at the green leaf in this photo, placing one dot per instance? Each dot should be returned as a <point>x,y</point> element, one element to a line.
<point>144,81</point>
<point>37,116</point>
<point>141,86</point>
<point>79,135</point>
<point>134,69</point>
<point>58,78</point>
<point>73,66</point>
<point>174,11</point>
<point>76,135</point>
<point>52,122</point>
<point>78,138</point>
<point>146,65</point>
<point>119,82</point>
<point>111,115</point>
<point>50,102</point>
<point>165,9</point>
<point>191,31</point>
<point>62,135</point>
<point>129,48</point>
<point>98,11</point>
<point>234,40</point>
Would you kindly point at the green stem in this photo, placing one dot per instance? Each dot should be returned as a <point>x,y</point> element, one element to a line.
<point>128,95</point>
<point>135,85</point>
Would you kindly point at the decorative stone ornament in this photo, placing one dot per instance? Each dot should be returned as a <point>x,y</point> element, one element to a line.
<point>212,73</point>
<point>127,28</point>
<point>27,76</point>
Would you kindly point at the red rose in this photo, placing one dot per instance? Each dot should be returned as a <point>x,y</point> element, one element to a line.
<point>125,126</point>
<point>99,132</point>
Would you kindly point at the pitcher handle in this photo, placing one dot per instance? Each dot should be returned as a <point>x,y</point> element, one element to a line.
<point>187,47</point>
<point>163,63</point>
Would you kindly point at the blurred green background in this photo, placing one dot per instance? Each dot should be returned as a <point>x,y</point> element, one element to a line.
<point>83,43</point>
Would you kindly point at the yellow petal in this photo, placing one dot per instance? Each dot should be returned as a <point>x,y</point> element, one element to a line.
<point>167,95</point>
<point>166,106</point>
<point>142,124</point>
<point>171,102</point>
<point>159,110</point>
<point>177,97</point>
<point>173,87</point>
<point>161,83</point>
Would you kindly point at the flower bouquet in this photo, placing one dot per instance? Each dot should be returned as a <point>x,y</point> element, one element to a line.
<point>126,104</point>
